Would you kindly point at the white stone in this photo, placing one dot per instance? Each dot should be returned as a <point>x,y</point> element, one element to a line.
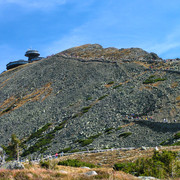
<point>84,167</point>
<point>147,178</point>
<point>91,173</point>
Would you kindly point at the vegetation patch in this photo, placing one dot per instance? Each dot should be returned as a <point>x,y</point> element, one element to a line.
<point>108,130</point>
<point>152,79</point>
<point>176,144</point>
<point>115,87</point>
<point>111,82</point>
<point>102,97</point>
<point>65,150</point>
<point>95,136</point>
<point>60,126</point>
<point>85,109</point>
<point>119,128</point>
<point>177,135</point>
<point>74,150</point>
<point>89,140</point>
<point>126,134</point>
<point>75,163</point>
<point>44,141</point>
<point>88,98</point>
<point>45,164</point>
<point>160,165</point>
<point>85,142</point>
<point>170,141</point>
<point>39,132</point>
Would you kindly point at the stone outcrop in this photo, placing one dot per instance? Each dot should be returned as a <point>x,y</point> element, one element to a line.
<point>96,51</point>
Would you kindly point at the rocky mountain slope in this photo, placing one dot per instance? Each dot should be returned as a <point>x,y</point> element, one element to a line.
<point>90,97</point>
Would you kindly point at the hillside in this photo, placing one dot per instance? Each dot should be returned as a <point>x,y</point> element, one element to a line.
<point>90,97</point>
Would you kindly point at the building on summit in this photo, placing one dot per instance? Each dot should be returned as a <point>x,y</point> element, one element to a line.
<point>33,55</point>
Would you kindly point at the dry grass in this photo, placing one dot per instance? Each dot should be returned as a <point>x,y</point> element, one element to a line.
<point>156,84</point>
<point>13,103</point>
<point>105,172</point>
<point>174,85</point>
<point>108,85</point>
<point>178,98</point>
<point>37,173</point>
<point>142,64</point>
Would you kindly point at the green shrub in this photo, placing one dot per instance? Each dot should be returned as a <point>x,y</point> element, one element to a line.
<point>60,126</point>
<point>75,163</point>
<point>102,97</point>
<point>108,129</point>
<point>159,165</point>
<point>88,98</point>
<point>65,150</point>
<point>89,140</point>
<point>85,142</point>
<point>119,128</point>
<point>126,134</point>
<point>152,80</point>
<point>176,144</point>
<point>95,136</point>
<point>74,150</point>
<point>85,109</point>
<point>177,135</point>
<point>44,141</point>
<point>45,164</point>
<point>115,87</point>
<point>111,82</point>
<point>39,132</point>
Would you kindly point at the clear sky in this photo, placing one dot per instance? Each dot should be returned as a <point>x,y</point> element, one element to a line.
<point>51,26</point>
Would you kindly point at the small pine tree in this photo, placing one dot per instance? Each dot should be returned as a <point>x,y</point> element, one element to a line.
<point>13,150</point>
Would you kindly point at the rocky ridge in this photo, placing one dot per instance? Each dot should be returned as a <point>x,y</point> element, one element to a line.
<point>68,102</point>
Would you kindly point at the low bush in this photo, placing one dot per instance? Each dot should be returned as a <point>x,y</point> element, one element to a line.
<point>102,97</point>
<point>115,87</point>
<point>65,150</point>
<point>85,109</point>
<point>45,164</point>
<point>85,142</point>
<point>39,132</point>
<point>108,130</point>
<point>74,150</point>
<point>160,165</point>
<point>152,79</point>
<point>95,136</point>
<point>119,128</point>
<point>75,163</point>
<point>88,98</point>
<point>89,140</point>
<point>126,134</point>
<point>177,135</point>
<point>111,82</point>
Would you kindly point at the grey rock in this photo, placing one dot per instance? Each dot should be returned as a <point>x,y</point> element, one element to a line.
<point>147,178</point>
<point>12,165</point>
<point>143,148</point>
<point>84,167</point>
<point>91,173</point>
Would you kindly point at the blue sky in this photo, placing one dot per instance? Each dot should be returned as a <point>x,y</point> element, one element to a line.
<point>51,26</point>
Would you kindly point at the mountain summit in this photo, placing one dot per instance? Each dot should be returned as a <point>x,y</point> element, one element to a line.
<point>90,97</point>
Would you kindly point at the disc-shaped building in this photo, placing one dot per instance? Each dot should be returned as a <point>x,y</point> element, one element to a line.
<point>33,55</point>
